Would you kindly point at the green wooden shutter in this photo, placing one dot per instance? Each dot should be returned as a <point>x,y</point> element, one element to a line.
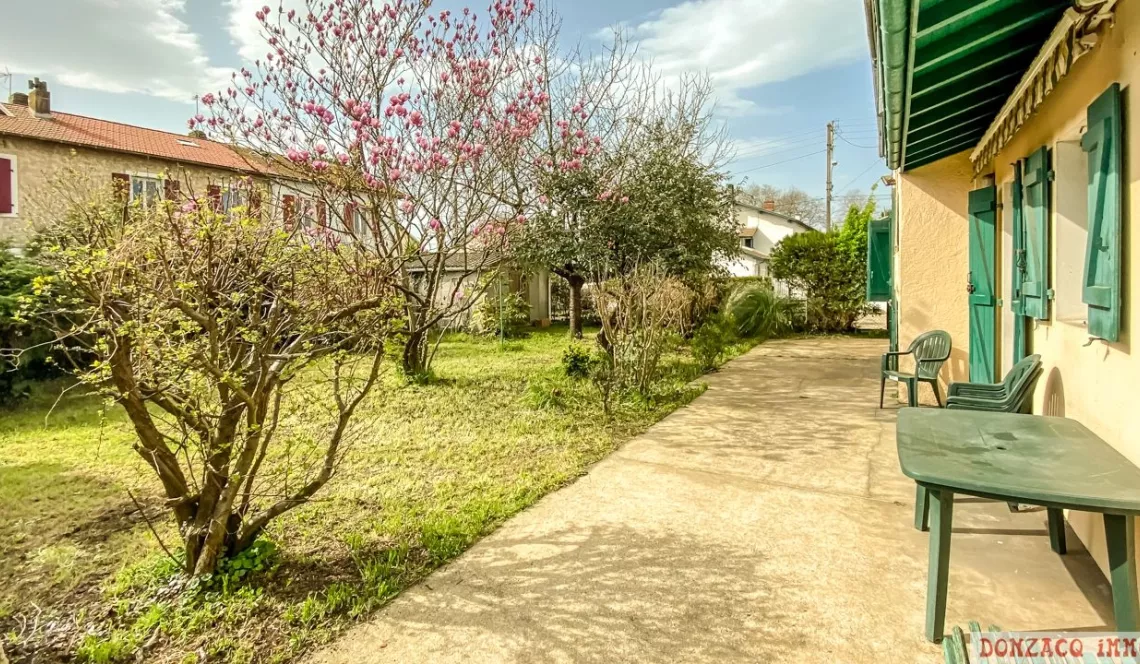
<point>879,260</point>
<point>1017,273</point>
<point>1035,210</point>
<point>1103,143</point>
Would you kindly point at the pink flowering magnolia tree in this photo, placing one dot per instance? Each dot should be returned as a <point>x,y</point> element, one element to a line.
<point>394,129</point>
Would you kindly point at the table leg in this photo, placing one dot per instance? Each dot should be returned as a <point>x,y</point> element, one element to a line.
<point>938,573</point>
<point>1121,539</point>
<point>1057,530</point>
<point>921,509</point>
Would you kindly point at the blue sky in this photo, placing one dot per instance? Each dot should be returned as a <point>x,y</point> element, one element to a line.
<point>782,68</point>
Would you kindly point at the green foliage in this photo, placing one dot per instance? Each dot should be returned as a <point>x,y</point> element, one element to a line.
<point>672,207</point>
<point>829,270</point>
<point>759,313</point>
<point>502,312</point>
<point>576,361</point>
<point>711,341</point>
<point>260,556</point>
<point>24,352</point>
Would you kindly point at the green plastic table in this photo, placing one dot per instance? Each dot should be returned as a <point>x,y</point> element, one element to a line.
<point>1049,461</point>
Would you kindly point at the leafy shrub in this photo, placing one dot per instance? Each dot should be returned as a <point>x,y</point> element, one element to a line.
<point>820,267</point>
<point>502,313</point>
<point>829,270</point>
<point>711,340</point>
<point>24,352</point>
<point>260,556</point>
<point>576,361</point>
<point>759,313</point>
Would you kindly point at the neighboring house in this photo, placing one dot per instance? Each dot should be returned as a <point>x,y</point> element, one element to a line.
<point>760,229</point>
<point>464,272</point>
<point>1013,137</point>
<point>38,145</point>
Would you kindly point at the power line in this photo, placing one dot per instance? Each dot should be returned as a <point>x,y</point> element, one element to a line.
<point>756,149</point>
<point>856,145</point>
<point>799,145</point>
<point>865,171</point>
<point>802,156</point>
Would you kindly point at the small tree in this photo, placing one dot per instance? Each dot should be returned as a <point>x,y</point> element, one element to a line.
<point>626,174</point>
<point>213,331</point>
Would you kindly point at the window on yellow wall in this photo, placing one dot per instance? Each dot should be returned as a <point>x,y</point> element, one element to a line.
<point>1071,221</point>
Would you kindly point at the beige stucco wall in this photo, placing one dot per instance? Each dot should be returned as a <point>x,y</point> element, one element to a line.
<point>1095,383</point>
<point>43,181</point>
<point>931,260</point>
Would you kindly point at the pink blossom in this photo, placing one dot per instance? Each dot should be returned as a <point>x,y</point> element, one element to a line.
<point>434,224</point>
<point>343,158</point>
<point>209,99</point>
<point>394,174</point>
<point>625,199</point>
<point>189,206</point>
<point>407,206</point>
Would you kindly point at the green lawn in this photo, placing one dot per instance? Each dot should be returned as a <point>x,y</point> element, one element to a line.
<point>441,465</point>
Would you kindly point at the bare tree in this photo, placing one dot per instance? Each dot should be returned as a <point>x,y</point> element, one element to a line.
<point>792,201</point>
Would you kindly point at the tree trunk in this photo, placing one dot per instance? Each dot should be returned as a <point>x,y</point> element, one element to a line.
<point>576,284</point>
<point>415,354</point>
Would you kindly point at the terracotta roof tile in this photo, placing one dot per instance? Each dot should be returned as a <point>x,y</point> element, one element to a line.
<point>88,132</point>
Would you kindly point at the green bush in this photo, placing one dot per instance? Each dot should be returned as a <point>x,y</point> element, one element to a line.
<point>759,313</point>
<point>502,313</point>
<point>711,340</point>
<point>576,361</point>
<point>820,268</point>
<point>25,355</point>
<point>829,270</point>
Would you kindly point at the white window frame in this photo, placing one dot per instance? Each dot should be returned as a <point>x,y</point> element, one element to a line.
<point>145,176</point>
<point>1070,227</point>
<point>15,187</point>
<point>226,203</point>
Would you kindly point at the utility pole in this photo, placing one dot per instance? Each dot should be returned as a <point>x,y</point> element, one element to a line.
<point>830,162</point>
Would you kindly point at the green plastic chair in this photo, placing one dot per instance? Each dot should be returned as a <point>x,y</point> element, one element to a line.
<point>930,351</point>
<point>1013,395</point>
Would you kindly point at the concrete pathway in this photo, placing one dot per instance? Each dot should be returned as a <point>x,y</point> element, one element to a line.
<point>766,522</point>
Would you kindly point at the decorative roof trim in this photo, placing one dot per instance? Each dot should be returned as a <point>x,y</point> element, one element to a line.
<point>1076,35</point>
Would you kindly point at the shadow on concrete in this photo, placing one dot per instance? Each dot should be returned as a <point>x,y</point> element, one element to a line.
<point>595,594</point>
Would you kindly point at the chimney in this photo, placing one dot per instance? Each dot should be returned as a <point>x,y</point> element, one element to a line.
<point>39,99</point>
<point>770,205</point>
<point>18,99</point>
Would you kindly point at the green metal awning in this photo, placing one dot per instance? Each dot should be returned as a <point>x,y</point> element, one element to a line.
<point>945,68</point>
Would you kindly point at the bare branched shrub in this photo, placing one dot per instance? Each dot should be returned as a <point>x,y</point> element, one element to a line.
<point>241,351</point>
<point>642,315</point>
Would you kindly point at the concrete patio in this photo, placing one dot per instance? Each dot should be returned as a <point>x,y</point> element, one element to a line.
<point>766,522</point>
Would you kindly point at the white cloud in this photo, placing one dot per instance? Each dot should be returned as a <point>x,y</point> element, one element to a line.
<point>743,44</point>
<point>141,46</point>
<point>245,29</point>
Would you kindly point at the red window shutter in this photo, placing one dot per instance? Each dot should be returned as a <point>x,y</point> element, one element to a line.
<point>170,190</point>
<point>121,185</point>
<point>214,196</point>
<point>322,214</point>
<point>6,188</point>
<point>349,216</point>
<point>288,210</point>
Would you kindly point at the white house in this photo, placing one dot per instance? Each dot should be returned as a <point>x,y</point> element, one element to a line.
<point>760,228</point>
